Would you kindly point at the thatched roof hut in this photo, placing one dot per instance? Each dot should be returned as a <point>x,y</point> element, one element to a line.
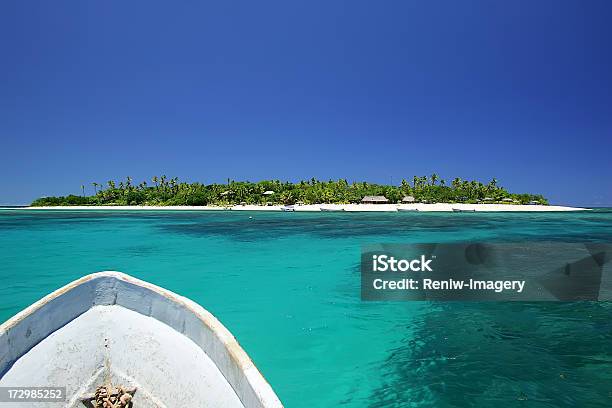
<point>408,199</point>
<point>374,200</point>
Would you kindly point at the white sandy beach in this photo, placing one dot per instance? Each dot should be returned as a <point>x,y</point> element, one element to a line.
<point>439,207</point>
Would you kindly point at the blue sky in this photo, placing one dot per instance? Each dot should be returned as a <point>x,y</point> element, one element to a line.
<point>517,90</point>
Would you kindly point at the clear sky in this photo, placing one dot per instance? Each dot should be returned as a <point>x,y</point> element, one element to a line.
<point>376,91</point>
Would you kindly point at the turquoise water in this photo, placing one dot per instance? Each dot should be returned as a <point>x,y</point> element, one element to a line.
<point>287,286</point>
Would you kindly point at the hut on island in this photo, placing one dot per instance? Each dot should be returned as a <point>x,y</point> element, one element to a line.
<point>374,200</point>
<point>408,199</point>
<point>268,192</point>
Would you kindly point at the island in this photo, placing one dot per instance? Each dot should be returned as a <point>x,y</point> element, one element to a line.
<point>425,193</point>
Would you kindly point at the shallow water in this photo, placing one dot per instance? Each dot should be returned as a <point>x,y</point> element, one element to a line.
<point>287,286</point>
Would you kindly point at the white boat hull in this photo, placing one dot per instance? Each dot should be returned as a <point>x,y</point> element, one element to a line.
<point>110,327</point>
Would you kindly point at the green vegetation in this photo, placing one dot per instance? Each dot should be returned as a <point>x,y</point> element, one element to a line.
<point>164,191</point>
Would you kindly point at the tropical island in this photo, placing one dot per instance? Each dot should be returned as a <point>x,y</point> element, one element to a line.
<point>163,191</point>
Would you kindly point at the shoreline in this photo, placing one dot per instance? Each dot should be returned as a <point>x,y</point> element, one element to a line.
<point>439,207</point>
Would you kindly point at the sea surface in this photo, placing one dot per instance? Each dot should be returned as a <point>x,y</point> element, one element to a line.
<point>287,285</point>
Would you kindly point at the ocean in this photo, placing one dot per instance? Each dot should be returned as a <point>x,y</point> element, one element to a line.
<point>287,285</point>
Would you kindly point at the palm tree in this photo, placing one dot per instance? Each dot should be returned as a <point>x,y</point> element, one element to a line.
<point>434,178</point>
<point>474,189</point>
<point>174,184</point>
<point>155,180</point>
<point>423,181</point>
<point>95,186</point>
<point>83,189</point>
